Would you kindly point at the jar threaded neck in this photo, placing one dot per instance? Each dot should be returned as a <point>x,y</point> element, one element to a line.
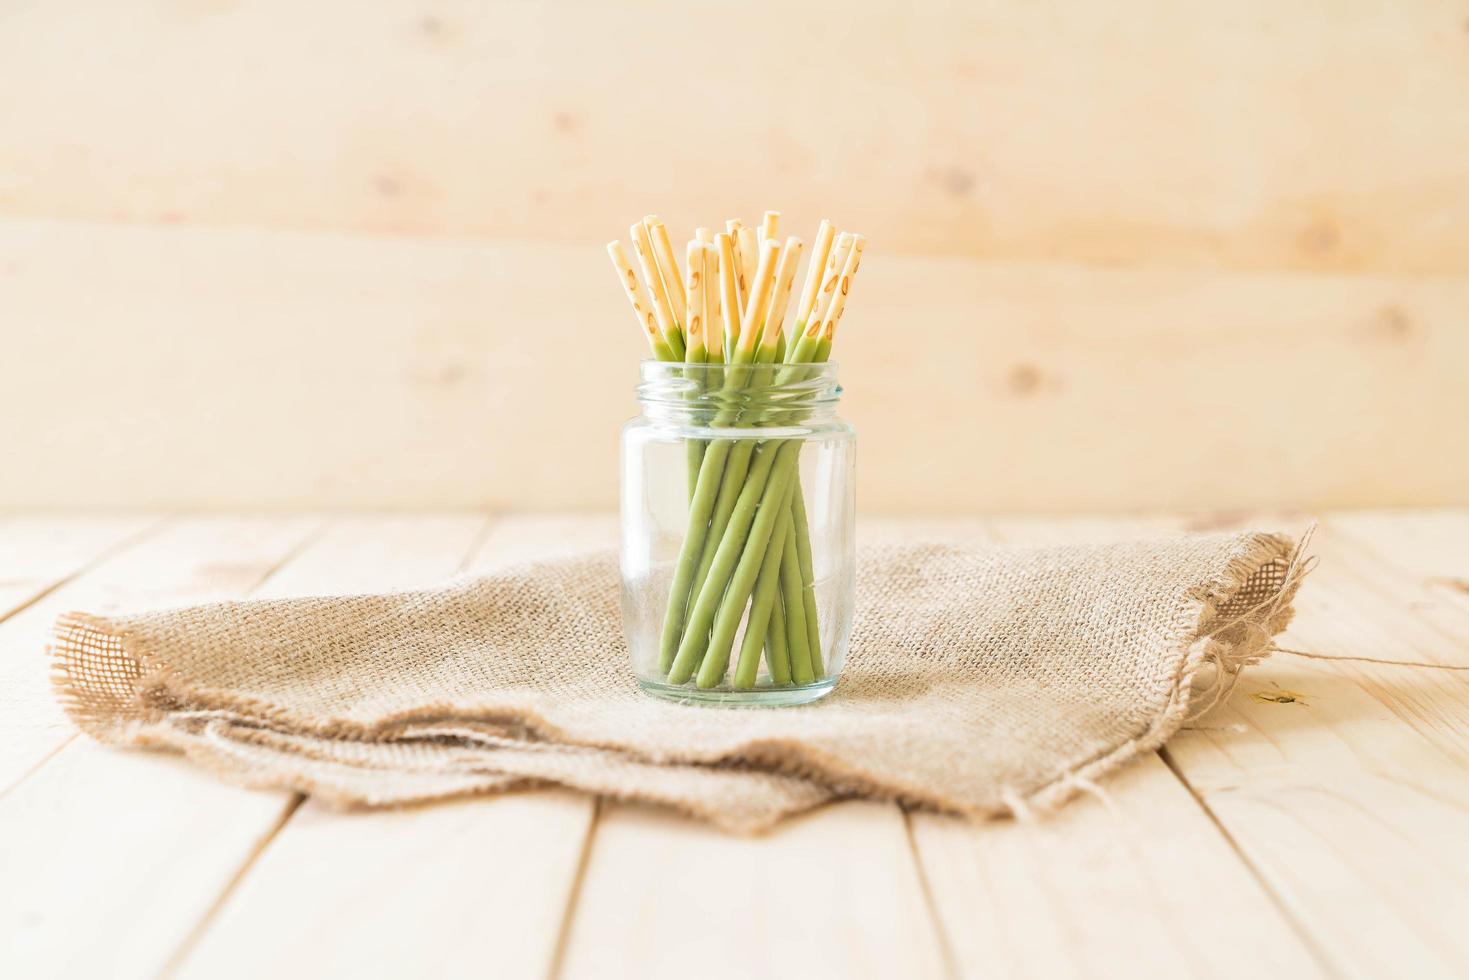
<point>738,394</point>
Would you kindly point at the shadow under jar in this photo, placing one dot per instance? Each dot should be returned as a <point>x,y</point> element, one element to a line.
<point>737,555</point>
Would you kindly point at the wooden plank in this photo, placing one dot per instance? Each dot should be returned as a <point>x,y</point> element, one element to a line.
<point>39,553</point>
<point>1344,783</point>
<point>1102,890</point>
<point>111,857</point>
<point>443,889</point>
<point>1429,545</point>
<point>831,893</point>
<point>534,537</point>
<point>1400,579</point>
<point>121,849</point>
<point>193,560</point>
<point>1387,590</point>
<point>1174,134</point>
<point>379,553</point>
<point>1418,561</point>
<point>1393,573</point>
<point>167,821</point>
<point>380,349</point>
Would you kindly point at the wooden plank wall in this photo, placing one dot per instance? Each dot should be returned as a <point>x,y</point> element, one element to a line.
<point>1149,255</point>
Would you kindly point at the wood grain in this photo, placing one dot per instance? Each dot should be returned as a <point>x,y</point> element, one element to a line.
<point>1114,890</point>
<point>1418,561</point>
<point>1344,784</point>
<point>169,822</point>
<point>247,368</point>
<point>441,890</point>
<point>41,553</point>
<point>111,857</point>
<point>832,893</point>
<point>1181,256</point>
<point>1322,135</point>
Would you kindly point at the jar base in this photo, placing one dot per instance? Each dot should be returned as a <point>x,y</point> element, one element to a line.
<point>726,697</point>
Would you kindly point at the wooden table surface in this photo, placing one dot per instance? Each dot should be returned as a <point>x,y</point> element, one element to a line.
<point>1316,824</point>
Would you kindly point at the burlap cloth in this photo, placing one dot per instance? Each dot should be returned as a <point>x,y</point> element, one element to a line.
<point>980,681</point>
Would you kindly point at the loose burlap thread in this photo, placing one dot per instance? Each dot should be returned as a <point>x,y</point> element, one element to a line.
<point>980,681</point>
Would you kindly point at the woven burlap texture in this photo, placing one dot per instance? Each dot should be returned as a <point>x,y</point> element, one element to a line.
<point>980,681</point>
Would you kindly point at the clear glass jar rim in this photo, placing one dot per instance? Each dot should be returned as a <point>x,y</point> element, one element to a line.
<point>686,386</point>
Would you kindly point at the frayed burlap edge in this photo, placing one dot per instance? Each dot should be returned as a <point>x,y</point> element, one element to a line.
<point>1206,651</point>
<point>139,718</point>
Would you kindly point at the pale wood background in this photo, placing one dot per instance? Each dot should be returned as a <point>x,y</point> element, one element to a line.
<point>1142,255</point>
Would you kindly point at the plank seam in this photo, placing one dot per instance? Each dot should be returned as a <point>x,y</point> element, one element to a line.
<point>137,538</point>
<point>295,551</point>
<point>191,941</point>
<point>6,790</point>
<point>490,520</point>
<point>573,894</point>
<point>187,946</point>
<point>946,946</point>
<point>1366,548</point>
<point>196,934</point>
<point>1308,940</point>
<point>126,542</point>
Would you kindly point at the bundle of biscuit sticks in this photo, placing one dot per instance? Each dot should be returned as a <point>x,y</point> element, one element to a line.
<point>746,556</point>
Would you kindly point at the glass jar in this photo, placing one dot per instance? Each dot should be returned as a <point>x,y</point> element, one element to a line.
<point>725,460</point>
